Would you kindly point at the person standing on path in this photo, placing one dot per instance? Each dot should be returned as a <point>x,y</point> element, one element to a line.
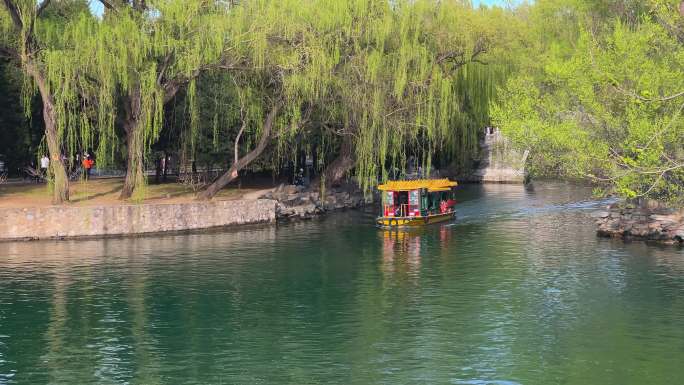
<point>87,165</point>
<point>44,164</point>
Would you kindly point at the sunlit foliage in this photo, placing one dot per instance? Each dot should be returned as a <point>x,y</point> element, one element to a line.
<point>604,101</point>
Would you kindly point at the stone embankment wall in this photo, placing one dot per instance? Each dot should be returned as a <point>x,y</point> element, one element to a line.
<point>656,224</point>
<point>499,162</point>
<point>97,221</point>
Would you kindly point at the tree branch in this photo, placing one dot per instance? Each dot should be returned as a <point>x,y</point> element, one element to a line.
<point>9,53</point>
<point>171,87</point>
<point>448,56</point>
<point>232,172</point>
<point>164,66</point>
<point>139,5</point>
<point>42,7</point>
<point>39,11</point>
<point>112,5</point>
<point>107,4</point>
<point>14,13</point>
<point>643,99</point>
<point>236,149</point>
<point>459,58</point>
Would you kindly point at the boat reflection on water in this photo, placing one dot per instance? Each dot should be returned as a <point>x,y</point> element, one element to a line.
<point>404,249</point>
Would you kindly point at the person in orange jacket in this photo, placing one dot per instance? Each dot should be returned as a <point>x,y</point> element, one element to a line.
<point>87,165</point>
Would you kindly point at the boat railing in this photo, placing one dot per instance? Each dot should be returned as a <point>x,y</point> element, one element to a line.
<point>389,210</point>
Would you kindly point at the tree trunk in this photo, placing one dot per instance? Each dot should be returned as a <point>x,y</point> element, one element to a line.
<point>314,161</point>
<point>60,192</point>
<point>135,173</point>
<point>134,143</point>
<point>134,162</point>
<point>336,171</point>
<point>240,163</point>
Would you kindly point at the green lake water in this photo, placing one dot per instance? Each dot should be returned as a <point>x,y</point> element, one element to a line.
<point>518,290</point>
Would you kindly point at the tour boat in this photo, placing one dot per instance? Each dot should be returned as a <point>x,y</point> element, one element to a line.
<point>412,203</point>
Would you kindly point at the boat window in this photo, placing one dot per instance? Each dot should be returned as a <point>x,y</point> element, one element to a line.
<point>414,198</point>
<point>403,198</point>
<point>388,198</point>
<point>435,202</point>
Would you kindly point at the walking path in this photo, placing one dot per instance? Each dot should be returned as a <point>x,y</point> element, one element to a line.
<point>98,192</point>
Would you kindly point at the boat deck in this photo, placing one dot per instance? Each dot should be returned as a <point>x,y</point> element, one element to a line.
<point>415,221</point>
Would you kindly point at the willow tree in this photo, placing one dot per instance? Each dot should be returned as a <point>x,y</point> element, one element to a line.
<point>30,37</point>
<point>143,53</point>
<point>379,76</point>
<point>284,71</point>
<point>411,77</point>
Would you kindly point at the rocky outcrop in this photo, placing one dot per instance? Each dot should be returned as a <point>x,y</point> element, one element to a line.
<point>301,203</point>
<point>499,162</point>
<point>653,223</point>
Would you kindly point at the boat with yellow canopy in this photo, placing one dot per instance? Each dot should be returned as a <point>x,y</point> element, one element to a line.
<point>412,203</point>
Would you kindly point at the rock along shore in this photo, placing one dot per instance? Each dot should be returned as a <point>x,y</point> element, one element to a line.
<point>296,202</point>
<point>648,222</point>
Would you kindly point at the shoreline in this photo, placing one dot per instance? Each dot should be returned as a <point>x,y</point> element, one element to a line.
<point>269,206</point>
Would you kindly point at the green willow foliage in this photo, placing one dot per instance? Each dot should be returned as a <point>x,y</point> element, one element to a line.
<point>407,81</point>
<point>30,35</point>
<point>145,56</point>
<point>605,101</point>
<point>59,58</point>
<point>89,64</point>
<point>393,78</point>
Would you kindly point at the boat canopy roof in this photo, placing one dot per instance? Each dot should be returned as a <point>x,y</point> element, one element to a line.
<point>432,185</point>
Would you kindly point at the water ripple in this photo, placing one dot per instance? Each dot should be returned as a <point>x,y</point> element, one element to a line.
<point>517,291</point>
